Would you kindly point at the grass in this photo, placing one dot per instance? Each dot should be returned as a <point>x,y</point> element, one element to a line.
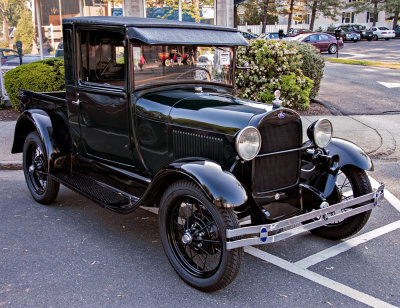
<point>395,65</point>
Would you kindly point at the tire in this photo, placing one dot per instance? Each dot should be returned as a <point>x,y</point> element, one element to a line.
<point>42,188</point>
<point>193,234</point>
<point>387,39</point>
<point>355,182</point>
<point>375,37</point>
<point>369,39</point>
<point>332,48</point>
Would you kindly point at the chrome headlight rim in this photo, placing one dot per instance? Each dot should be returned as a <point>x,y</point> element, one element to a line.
<point>238,139</point>
<point>315,131</point>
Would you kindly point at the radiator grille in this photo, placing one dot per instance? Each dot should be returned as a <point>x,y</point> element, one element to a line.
<point>279,170</point>
<point>194,145</point>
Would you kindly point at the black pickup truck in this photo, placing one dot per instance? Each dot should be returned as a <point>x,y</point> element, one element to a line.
<point>149,118</point>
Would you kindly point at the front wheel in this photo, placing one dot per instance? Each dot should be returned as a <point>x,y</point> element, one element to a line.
<point>351,182</point>
<point>42,188</point>
<point>193,234</point>
<point>375,37</point>
<point>332,48</point>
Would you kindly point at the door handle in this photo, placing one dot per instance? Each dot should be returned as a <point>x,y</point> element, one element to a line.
<point>76,103</point>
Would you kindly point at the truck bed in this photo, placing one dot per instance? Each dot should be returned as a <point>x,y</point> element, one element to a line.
<point>43,100</point>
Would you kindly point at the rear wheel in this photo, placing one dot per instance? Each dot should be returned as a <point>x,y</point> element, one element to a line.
<point>332,48</point>
<point>387,39</point>
<point>351,182</point>
<point>193,234</point>
<point>375,37</point>
<point>42,188</point>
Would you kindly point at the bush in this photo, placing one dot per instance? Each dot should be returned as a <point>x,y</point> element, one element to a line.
<point>40,76</point>
<point>274,66</point>
<point>312,64</point>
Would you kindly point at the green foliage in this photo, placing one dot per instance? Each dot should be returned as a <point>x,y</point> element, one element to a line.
<point>312,64</point>
<point>24,31</point>
<point>274,66</point>
<point>40,76</point>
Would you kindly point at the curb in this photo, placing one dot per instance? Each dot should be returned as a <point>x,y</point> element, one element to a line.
<point>11,165</point>
<point>329,106</point>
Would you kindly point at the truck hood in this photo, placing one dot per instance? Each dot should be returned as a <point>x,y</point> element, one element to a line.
<point>204,110</point>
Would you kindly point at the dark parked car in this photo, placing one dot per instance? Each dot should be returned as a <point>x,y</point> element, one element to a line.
<point>322,41</point>
<point>130,131</point>
<point>8,55</point>
<point>249,35</point>
<point>347,34</point>
<point>397,31</point>
<point>360,29</point>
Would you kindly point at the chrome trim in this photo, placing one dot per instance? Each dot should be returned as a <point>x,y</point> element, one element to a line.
<point>324,216</point>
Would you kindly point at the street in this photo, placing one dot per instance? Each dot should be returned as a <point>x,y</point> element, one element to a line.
<point>77,254</point>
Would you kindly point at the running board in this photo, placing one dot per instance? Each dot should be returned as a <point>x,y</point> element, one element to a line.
<point>328,214</point>
<point>101,193</point>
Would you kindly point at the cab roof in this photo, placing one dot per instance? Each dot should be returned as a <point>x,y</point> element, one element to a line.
<point>153,31</point>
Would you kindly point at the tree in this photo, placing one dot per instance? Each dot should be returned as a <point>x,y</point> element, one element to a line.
<point>372,6</point>
<point>9,12</point>
<point>25,32</point>
<point>328,8</point>
<point>393,6</point>
<point>260,11</point>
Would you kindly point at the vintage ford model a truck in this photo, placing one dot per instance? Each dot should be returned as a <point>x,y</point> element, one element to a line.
<point>149,118</point>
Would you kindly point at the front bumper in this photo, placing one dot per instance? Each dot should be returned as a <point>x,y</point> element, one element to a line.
<point>274,232</point>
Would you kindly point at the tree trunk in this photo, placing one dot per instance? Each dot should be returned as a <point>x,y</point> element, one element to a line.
<point>6,37</point>
<point>266,3</point>
<point>396,16</point>
<point>375,12</point>
<point>313,13</point>
<point>290,16</point>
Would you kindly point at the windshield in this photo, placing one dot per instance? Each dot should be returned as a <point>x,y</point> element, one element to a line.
<point>300,37</point>
<point>155,64</point>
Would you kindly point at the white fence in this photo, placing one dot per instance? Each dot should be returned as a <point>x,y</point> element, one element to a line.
<point>3,70</point>
<point>269,28</point>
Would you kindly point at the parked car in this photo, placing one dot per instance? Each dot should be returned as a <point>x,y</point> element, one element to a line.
<point>249,35</point>
<point>360,29</point>
<point>8,55</point>
<point>347,34</point>
<point>383,33</point>
<point>271,36</point>
<point>397,31</point>
<point>294,32</point>
<point>176,138</point>
<point>322,41</point>
<point>25,60</point>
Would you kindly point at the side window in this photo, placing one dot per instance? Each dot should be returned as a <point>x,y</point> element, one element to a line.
<point>313,37</point>
<point>323,37</point>
<point>102,58</point>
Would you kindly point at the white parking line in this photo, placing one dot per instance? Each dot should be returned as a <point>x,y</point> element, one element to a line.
<point>388,195</point>
<point>344,246</point>
<point>317,278</point>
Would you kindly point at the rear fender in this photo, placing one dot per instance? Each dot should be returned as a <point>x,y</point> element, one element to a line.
<point>220,187</point>
<point>52,131</point>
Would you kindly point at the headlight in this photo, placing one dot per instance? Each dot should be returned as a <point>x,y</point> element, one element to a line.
<point>248,143</point>
<point>320,132</point>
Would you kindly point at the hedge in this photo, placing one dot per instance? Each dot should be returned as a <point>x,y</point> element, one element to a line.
<point>273,66</point>
<point>40,76</point>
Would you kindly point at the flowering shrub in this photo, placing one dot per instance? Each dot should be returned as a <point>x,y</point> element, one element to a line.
<point>273,66</point>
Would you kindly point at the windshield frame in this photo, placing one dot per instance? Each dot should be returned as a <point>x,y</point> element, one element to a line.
<point>230,76</point>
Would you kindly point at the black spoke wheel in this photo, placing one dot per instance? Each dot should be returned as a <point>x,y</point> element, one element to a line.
<point>351,182</point>
<point>193,233</point>
<point>41,186</point>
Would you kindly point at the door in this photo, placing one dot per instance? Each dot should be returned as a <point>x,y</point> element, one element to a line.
<point>102,96</point>
<point>324,42</point>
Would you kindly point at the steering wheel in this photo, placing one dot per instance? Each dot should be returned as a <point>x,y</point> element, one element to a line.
<point>208,78</point>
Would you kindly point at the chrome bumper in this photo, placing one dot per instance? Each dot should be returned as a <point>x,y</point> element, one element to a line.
<point>258,235</point>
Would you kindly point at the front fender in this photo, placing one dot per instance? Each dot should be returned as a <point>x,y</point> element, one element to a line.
<point>221,187</point>
<point>349,154</point>
<point>40,121</point>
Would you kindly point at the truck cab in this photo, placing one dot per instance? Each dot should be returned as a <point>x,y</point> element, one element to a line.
<point>149,117</point>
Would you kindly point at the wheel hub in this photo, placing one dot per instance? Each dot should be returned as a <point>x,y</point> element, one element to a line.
<point>187,238</point>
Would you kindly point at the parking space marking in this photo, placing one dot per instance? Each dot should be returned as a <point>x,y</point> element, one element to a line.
<point>346,245</point>
<point>317,278</point>
<point>388,195</point>
<point>389,84</point>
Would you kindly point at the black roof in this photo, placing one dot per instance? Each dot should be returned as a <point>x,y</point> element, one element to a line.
<point>141,22</point>
<point>155,31</point>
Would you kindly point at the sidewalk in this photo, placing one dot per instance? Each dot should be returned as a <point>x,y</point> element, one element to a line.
<point>376,134</point>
